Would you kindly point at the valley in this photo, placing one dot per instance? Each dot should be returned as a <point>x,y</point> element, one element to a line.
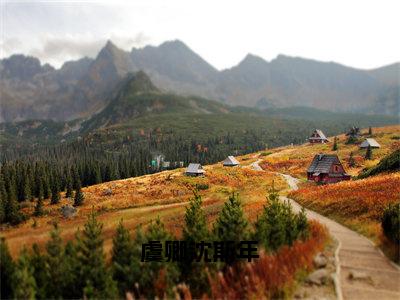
<point>166,195</point>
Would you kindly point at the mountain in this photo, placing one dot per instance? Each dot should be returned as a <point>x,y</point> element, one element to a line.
<point>136,97</point>
<point>136,109</point>
<point>79,89</point>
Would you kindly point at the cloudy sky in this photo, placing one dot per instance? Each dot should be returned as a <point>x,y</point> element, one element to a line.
<point>358,33</point>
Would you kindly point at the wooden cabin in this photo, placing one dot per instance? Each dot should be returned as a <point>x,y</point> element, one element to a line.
<point>370,143</point>
<point>326,169</point>
<point>317,137</point>
<point>230,161</point>
<point>194,170</point>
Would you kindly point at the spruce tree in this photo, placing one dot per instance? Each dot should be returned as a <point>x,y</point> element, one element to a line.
<point>94,275</point>
<point>39,208</point>
<point>38,263</point>
<point>352,161</point>
<point>69,186</point>
<point>55,265</point>
<point>24,284</point>
<point>13,215</point>
<point>195,230</point>
<point>55,192</point>
<point>335,144</point>
<point>46,187</point>
<point>122,256</point>
<point>302,224</point>
<point>368,154</point>
<point>26,188</point>
<point>195,221</point>
<point>270,228</point>
<point>3,200</point>
<point>71,275</point>
<point>231,224</point>
<point>79,197</point>
<point>151,270</point>
<point>7,269</point>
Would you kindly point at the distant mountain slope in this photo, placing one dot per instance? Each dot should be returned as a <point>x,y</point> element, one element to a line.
<point>81,88</point>
<point>136,97</point>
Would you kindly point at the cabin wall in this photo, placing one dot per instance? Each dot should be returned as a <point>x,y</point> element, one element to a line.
<point>336,169</point>
<point>314,141</point>
<point>325,178</point>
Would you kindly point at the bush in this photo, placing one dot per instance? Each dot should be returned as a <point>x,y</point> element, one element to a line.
<point>279,225</point>
<point>202,186</point>
<point>390,163</point>
<point>391,222</point>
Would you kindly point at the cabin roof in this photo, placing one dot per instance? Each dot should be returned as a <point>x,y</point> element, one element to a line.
<point>194,168</point>
<point>231,161</point>
<point>370,142</point>
<point>322,163</point>
<point>320,134</point>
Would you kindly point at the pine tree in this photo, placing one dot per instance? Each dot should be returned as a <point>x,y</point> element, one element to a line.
<point>302,224</point>
<point>368,154</point>
<point>7,269</point>
<point>335,144</point>
<point>69,186</point>
<point>46,187</point>
<point>195,221</point>
<point>38,208</point>
<point>71,273</point>
<point>79,197</point>
<point>352,161</point>
<point>3,200</point>
<point>55,192</point>
<point>195,230</point>
<point>13,215</point>
<point>94,275</point>
<point>156,232</point>
<point>55,264</point>
<point>122,256</point>
<point>26,188</point>
<point>271,227</point>
<point>38,263</point>
<point>24,281</point>
<point>231,224</point>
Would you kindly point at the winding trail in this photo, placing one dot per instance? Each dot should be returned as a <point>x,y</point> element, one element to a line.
<point>377,277</point>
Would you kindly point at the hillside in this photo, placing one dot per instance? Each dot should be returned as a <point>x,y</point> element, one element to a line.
<point>81,88</point>
<point>137,97</point>
<point>294,160</point>
<point>140,199</point>
<point>137,108</point>
<point>165,196</point>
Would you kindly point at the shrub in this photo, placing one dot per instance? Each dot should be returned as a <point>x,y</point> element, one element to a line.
<point>279,225</point>
<point>391,222</point>
<point>202,186</point>
<point>390,163</point>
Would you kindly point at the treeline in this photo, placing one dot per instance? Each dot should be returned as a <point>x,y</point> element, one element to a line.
<point>78,269</point>
<point>44,172</point>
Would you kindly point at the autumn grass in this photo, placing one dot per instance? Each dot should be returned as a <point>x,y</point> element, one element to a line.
<point>272,276</point>
<point>141,199</point>
<point>357,204</point>
<point>294,160</point>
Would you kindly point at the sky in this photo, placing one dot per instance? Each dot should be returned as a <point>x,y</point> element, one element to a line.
<point>357,33</point>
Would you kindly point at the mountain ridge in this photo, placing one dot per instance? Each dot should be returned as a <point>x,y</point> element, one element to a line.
<point>81,88</point>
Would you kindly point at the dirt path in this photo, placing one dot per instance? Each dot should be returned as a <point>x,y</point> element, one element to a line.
<point>376,276</point>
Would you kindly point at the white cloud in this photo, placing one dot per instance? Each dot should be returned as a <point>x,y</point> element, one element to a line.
<point>359,33</point>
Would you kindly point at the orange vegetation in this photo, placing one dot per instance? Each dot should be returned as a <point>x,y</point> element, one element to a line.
<point>358,203</point>
<point>270,275</point>
<point>294,160</point>
<point>141,199</point>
